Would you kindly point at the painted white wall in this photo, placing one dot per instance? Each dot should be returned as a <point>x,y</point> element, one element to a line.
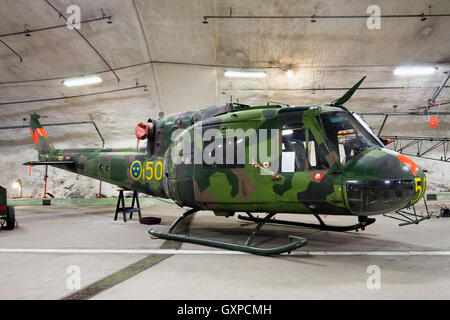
<point>185,88</point>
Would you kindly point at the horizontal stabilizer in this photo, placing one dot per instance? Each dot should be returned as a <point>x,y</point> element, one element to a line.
<point>47,163</point>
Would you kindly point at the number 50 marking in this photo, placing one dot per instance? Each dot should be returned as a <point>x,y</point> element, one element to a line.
<point>156,171</point>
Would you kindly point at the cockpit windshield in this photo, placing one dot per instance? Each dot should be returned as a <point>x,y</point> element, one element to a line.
<point>347,135</point>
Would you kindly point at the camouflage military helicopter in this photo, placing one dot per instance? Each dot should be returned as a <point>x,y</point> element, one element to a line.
<point>217,159</point>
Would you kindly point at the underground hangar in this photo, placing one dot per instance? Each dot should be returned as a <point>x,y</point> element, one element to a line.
<point>257,150</point>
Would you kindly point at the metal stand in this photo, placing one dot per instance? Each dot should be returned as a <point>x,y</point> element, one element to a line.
<point>45,200</point>
<point>45,182</point>
<point>100,194</point>
<point>295,242</point>
<point>122,208</point>
<point>322,226</point>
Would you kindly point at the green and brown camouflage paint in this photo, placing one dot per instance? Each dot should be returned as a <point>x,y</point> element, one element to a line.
<point>227,190</point>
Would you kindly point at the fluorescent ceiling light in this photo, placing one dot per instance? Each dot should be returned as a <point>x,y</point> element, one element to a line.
<point>414,71</point>
<point>245,74</point>
<point>82,81</point>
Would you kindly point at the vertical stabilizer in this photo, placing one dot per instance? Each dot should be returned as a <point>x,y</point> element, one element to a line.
<point>39,135</point>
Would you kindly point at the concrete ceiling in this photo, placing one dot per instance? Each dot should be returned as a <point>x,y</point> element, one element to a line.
<point>331,53</point>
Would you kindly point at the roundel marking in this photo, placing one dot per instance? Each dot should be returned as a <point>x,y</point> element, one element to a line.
<point>136,170</point>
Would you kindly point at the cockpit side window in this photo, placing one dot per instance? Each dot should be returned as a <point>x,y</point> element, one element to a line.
<point>346,135</point>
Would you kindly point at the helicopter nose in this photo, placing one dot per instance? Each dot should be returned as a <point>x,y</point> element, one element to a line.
<point>382,181</point>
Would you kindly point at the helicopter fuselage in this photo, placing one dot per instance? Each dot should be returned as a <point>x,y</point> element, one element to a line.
<point>229,158</point>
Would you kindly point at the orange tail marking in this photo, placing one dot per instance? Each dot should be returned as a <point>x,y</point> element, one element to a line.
<point>38,132</point>
<point>41,132</point>
<point>35,136</point>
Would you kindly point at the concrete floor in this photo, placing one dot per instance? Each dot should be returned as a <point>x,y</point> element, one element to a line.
<point>208,275</point>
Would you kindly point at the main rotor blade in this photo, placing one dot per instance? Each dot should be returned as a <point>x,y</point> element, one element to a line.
<point>348,94</point>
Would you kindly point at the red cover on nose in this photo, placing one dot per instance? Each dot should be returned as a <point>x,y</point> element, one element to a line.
<point>142,130</point>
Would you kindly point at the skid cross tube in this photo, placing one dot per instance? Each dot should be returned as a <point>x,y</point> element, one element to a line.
<point>322,226</point>
<point>295,242</point>
<point>258,227</point>
<point>181,218</point>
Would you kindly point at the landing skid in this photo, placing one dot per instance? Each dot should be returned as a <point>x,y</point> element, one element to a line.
<point>295,242</point>
<point>409,216</point>
<point>322,226</point>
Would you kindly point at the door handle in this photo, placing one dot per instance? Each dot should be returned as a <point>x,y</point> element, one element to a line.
<point>257,165</point>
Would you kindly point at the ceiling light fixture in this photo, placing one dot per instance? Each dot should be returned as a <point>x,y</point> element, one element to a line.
<point>414,70</point>
<point>289,73</point>
<point>245,74</point>
<point>82,81</point>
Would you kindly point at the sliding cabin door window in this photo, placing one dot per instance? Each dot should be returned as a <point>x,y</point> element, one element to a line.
<point>316,156</point>
<point>300,144</point>
<point>228,152</point>
<point>293,149</point>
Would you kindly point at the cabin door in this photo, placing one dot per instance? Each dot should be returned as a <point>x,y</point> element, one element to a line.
<point>300,161</point>
<point>225,179</point>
